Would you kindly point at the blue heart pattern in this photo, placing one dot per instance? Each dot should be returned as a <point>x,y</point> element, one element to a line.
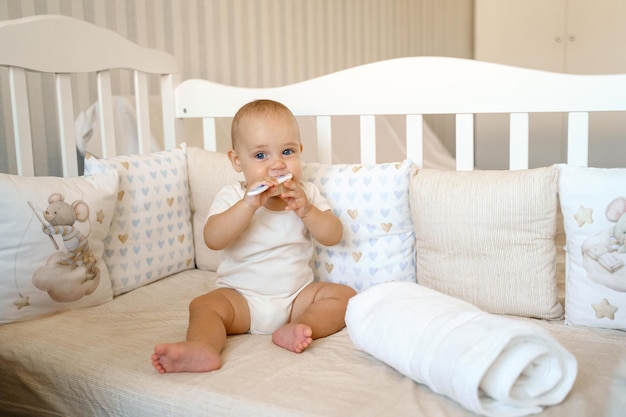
<point>151,235</point>
<point>372,202</point>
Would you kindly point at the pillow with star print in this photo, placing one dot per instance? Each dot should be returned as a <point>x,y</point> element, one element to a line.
<point>151,235</point>
<point>593,201</point>
<point>52,243</point>
<point>372,202</point>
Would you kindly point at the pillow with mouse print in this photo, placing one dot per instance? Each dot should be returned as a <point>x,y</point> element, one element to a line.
<point>52,245</point>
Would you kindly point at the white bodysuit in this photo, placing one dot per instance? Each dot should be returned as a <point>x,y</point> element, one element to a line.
<point>269,262</point>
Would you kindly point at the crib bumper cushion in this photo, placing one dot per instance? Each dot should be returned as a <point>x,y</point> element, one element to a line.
<point>208,173</point>
<point>372,202</point>
<point>151,235</point>
<point>593,201</point>
<point>53,261</point>
<point>487,237</point>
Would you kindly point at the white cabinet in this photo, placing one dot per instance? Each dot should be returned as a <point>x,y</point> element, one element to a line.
<point>574,36</point>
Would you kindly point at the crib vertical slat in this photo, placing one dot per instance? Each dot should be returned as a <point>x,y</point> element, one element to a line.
<point>105,105</point>
<point>209,133</point>
<point>464,142</point>
<point>578,138</point>
<point>169,115</point>
<point>415,139</point>
<point>324,140</point>
<point>21,122</point>
<point>368,139</point>
<point>518,142</point>
<point>143,111</point>
<point>65,112</point>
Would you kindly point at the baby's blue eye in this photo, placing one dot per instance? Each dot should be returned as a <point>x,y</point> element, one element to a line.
<point>288,152</point>
<point>259,155</point>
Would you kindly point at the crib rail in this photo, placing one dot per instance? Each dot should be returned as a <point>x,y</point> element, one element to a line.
<point>60,46</point>
<point>420,86</point>
<point>416,87</point>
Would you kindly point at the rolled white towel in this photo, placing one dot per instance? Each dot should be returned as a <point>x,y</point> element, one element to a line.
<point>491,365</point>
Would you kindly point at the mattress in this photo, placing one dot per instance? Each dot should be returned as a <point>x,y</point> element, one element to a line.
<point>96,361</point>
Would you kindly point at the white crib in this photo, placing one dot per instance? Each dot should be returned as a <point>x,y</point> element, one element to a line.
<point>79,362</point>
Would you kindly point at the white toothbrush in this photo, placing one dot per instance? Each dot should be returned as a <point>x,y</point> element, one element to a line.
<point>259,189</point>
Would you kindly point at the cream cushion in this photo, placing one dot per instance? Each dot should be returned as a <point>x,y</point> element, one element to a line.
<point>209,172</point>
<point>487,237</point>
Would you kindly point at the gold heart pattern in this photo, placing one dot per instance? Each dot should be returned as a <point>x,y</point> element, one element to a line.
<point>150,235</point>
<point>372,203</point>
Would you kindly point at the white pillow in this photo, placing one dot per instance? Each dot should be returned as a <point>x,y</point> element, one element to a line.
<point>151,235</point>
<point>42,274</point>
<point>209,172</point>
<point>372,202</point>
<point>487,237</point>
<point>593,201</point>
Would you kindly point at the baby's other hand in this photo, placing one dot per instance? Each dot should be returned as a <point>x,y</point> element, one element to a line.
<point>296,198</point>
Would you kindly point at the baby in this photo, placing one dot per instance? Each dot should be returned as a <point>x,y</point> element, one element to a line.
<point>265,284</point>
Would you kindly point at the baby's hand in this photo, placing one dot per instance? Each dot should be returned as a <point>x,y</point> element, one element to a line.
<point>262,187</point>
<point>296,198</point>
<point>258,192</point>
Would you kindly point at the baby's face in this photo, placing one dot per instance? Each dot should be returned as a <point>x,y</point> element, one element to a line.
<point>269,145</point>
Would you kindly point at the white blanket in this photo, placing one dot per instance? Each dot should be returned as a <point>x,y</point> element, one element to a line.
<point>491,365</point>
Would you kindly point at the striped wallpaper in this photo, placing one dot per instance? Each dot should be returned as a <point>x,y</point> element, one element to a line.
<point>253,43</point>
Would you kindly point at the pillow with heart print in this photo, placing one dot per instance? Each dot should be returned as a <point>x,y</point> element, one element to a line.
<point>372,202</point>
<point>151,234</point>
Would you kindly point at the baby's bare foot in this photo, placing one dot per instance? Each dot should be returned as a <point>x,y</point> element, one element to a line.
<point>185,357</point>
<point>293,337</point>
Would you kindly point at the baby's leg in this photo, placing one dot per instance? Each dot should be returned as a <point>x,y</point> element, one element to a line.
<point>211,317</point>
<point>318,311</point>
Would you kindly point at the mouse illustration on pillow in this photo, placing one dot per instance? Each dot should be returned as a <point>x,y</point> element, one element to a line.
<point>69,274</point>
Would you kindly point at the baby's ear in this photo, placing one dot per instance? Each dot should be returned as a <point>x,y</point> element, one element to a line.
<point>234,160</point>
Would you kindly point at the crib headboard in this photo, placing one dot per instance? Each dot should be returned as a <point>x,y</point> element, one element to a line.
<point>419,86</point>
<point>413,87</point>
<point>62,46</point>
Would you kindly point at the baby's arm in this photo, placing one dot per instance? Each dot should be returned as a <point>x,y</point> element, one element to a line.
<point>220,230</point>
<point>324,226</point>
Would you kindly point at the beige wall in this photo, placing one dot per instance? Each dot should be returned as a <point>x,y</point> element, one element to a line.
<point>258,43</point>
